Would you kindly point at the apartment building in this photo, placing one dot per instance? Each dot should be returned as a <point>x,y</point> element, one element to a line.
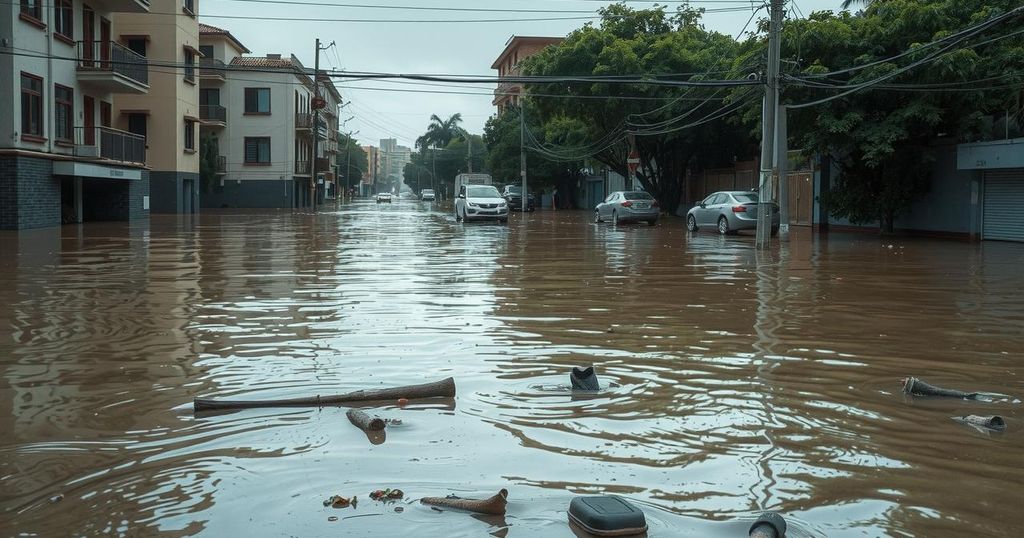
<point>517,49</point>
<point>368,185</point>
<point>167,115</point>
<point>258,111</point>
<point>62,160</point>
<point>393,159</point>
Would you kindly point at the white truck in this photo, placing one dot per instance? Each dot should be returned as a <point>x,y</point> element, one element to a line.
<point>471,179</point>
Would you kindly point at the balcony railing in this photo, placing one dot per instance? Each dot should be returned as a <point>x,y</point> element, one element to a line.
<point>222,165</point>
<point>109,143</point>
<point>303,120</point>
<point>323,164</point>
<point>109,56</point>
<point>211,67</point>
<point>213,113</point>
<point>302,167</point>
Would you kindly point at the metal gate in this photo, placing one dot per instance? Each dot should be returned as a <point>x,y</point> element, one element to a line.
<point>1004,196</point>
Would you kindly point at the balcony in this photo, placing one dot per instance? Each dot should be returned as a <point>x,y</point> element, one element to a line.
<point>212,69</point>
<point>302,168</point>
<point>121,6</point>
<point>213,115</point>
<point>304,122</point>
<point>109,67</point>
<point>110,144</point>
<point>506,91</point>
<point>331,145</point>
<point>323,164</point>
<point>222,165</point>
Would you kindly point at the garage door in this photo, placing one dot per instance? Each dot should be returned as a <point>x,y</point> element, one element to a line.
<point>1004,198</point>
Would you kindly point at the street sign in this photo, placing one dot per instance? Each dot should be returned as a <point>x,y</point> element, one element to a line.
<point>633,161</point>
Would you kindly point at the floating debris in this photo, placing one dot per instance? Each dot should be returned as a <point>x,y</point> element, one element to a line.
<point>386,494</point>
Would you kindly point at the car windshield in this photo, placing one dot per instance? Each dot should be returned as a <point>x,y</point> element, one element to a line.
<point>428,191</point>
<point>482,191</point>
<point>514,190</point>
<point>745,197</point>
<point>638,196</point>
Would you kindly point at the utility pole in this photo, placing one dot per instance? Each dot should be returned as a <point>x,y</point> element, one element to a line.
<point>766,189</point>
<point>522,152</point>
<point>316,127</point>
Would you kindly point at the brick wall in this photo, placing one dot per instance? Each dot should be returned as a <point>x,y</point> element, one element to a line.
<point>29,194</point>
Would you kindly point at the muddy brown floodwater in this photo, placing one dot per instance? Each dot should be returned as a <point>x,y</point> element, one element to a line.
<point>742,380</point>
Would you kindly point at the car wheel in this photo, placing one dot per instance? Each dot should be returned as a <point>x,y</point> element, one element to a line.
<point>723,225</point>
<point>597,217</point>
<point>615,218</point>
<point>691,223</point>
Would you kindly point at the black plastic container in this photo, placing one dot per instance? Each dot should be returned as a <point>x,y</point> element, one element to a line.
<point>607,515</point>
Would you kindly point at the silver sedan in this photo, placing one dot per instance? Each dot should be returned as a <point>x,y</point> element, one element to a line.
<point>628,206</point>
<point>729,212</point>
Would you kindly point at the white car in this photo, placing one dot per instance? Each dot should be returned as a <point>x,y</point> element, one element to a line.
<point>480,202</point>
<point>383,197</point>
<point>427,195</point>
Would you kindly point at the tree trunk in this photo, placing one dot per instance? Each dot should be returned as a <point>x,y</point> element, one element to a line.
<point>443,388</point>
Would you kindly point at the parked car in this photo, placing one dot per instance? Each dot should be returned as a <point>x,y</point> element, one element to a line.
<point>628,206</point>
<point>729,212</point>
<point>480,202</point>
<point>427,195</point>
<point>513,195</point>
<point>383,197</point>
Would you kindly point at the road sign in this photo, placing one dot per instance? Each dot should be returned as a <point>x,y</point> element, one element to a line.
<point>633,161</point>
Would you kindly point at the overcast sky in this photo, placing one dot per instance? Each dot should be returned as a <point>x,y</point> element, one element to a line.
<point>422,47</point>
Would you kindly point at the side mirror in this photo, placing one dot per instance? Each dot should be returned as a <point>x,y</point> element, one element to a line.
<point>703,205</point>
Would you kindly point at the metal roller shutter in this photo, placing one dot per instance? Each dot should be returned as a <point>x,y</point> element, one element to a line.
<point>1004,198</point>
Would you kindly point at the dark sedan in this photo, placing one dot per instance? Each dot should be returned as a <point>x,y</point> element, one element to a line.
<point>513,194</point>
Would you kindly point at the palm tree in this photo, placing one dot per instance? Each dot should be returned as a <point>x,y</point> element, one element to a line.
<point>441,132</point>
<point>848,3</point>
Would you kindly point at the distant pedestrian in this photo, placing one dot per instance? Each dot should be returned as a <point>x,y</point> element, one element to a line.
<point>554,198</point>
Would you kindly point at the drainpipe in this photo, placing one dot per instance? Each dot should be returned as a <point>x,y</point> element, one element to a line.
<point>48,95</point>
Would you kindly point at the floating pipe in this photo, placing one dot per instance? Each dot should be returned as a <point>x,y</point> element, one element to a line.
<point>364,421</point>
<point>443,388</point>
<point>492,505</point>
<point>768,525</point>
<point>915,387</point>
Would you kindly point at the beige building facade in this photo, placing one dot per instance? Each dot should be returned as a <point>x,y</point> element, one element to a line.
<point>168,115</point>
<point>517,49</point>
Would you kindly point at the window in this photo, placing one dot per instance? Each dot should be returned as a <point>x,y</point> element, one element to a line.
<point>190,6</point>
<point>31,105</point>
<point>32,8</point>
<point>64,112</point>
<point>63,19</point>
<point>257,100</point>
<point>137,124</point>
<point>190,69</point>
<point>137,45</point>
<point>190,135</point>
<point>206,51</point>
<point>257,150</point>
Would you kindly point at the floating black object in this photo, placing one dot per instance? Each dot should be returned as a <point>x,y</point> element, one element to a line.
<point>768,525</point>
<point>991,422</point>
<point>916,387</point>
<point>584,379</point>
<point>607,515</point>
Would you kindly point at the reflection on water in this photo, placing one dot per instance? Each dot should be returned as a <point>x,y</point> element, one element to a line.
<point>735,380</point>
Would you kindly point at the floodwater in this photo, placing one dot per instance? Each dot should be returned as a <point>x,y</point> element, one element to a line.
<point>738,381</point>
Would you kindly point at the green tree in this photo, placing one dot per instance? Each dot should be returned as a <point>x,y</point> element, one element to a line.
<point>640,43</point>
<point>882,137</point>
<point>440,132</point>
<point>352,162</point>
<point>209,155</point>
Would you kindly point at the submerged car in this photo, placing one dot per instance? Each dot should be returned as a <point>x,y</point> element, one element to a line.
<point>427,195</point>
<point>384,197</point>
<point>729,212</point>
<point>513,194</point>
<point>628,206</point>
<point>480,202</point>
